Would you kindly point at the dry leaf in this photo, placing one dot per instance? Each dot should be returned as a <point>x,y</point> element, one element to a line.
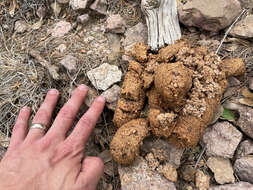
<point>232,48</point>
<point>109,187</point>
<point>13,6</point>
<point>38,24</point>
<point>108,168</point>
<point>231,105</point>
<point>56,8</point>
<point>246,101</point>
<point>41,12</point>
<point>105,156</point>
<point>53,70</point>
<point>238,41</point>
<point>247,94</point>
<point>217,114</point>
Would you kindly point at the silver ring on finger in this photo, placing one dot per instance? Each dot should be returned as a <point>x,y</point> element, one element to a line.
<point>38,126</point>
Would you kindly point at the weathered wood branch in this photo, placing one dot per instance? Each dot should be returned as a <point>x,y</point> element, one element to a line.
<point>53,70</point>
<point>162,21</point>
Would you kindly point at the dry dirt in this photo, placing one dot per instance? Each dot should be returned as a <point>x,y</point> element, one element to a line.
<point>185,89</point>
<point>24,81</point>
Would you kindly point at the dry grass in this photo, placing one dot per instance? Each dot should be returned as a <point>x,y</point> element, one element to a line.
<point>24,81</point>
<point>21,83</point>
<point>26,10</point>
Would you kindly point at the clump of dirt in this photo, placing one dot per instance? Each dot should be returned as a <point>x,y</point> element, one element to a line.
<point>125,144</point>
<point>184,87</point>
<point>233,67</point>
<point>161,123</point>
<point>132,96</point>
<point>162,167</point>
<point>173,82</point>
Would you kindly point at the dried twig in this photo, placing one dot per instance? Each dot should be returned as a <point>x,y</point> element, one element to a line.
<point>4,40</point>
<point>199,158</point>
<point>114,4</point>
<point>53,70</point>
<point>229,29</point>
<point>162,21</point>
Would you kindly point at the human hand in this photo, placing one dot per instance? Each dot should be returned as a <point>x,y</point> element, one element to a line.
<point>36,160</point>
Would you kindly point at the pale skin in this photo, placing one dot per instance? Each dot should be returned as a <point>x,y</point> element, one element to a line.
<point>39,160</point>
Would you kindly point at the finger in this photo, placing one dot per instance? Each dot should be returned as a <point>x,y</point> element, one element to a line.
<point>92,171</point>
<point>19,131</point>
<point>44,115</point>
<point>85,125</point>
<point>67,114</point>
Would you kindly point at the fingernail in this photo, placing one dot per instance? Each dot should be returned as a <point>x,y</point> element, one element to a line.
<point>53,91</point>
<point>82,87</point>
<point>101,99</point>
<point>26,108</point>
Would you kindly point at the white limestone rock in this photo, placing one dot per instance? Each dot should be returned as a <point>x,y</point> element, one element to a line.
<point>140,176</point>
<point>115,24</point>
<point>244,28</point>
<point>112,95</point>
<point>244,168</point>
<point>104,76</point>
<point>61,28</point>
<point>78,4</point>
<point>221,140</point>
<point>222,169</point>
<point>209,15</point>
<point>70,63</point>
<point>236,186</point>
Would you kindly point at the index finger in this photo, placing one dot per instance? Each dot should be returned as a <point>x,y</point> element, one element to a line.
<point>67,114</point>
<point>85,125</point>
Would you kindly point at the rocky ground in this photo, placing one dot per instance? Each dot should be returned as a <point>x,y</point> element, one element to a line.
<point>60,44</point>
